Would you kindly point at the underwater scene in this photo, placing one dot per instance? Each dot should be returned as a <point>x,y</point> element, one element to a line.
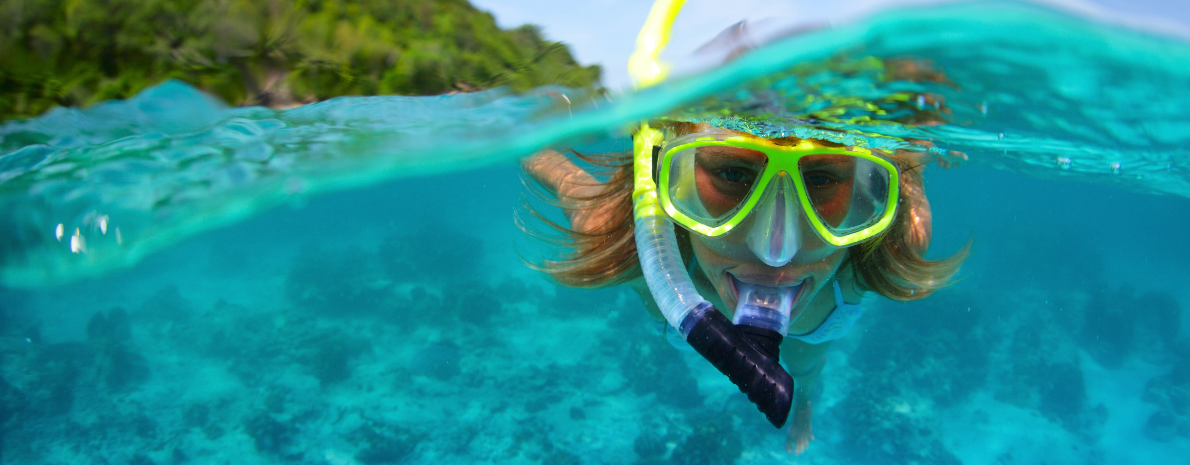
<point>345,282</point>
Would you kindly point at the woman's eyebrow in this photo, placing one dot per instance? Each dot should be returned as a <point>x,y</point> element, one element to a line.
<point>733,153</point>
<point>830,161</point>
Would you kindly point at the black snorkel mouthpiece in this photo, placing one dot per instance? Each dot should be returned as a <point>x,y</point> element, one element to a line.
<point>749,356</point>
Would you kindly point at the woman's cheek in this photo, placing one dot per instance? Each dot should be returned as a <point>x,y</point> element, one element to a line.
<point>716,203</point>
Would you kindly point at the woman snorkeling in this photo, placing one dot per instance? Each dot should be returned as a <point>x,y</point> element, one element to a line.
<point>783,236</point>
<point>778,239</point>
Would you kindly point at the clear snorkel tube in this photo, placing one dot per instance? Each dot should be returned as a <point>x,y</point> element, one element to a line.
<point>748,355</point>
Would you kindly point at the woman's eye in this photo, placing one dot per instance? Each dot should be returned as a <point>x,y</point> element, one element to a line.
<point>734,175</point>
<point>818,179</point>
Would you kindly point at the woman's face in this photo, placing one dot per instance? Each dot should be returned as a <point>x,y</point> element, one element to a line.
<point>724,177</point>
<point>726,259</point>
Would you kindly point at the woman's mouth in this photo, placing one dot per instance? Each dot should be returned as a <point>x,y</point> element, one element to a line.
<point>799,288</point>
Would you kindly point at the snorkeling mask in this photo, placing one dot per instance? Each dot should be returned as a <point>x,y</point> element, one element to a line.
<point>711,182</point>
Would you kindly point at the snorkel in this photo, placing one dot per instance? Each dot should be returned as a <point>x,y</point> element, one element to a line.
<point>747,353</point>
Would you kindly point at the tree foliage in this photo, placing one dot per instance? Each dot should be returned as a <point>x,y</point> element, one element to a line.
<point>267,52</point>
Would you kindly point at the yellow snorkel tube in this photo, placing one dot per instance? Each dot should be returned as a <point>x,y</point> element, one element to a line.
<point>749,356</point>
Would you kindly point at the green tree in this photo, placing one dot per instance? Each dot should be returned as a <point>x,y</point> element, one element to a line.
<point>265,52</point>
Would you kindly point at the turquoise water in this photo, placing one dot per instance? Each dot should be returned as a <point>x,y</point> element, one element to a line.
<point>339,283</point>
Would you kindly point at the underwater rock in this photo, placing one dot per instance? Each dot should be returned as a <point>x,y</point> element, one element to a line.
<point>270,436</point>
<point>649,446</point>
<point>1171,394</point>
<point>121,365</point>
<point>1162,426</point>
<point>653,367</point>
<point>560,457</point>
<point>473,303</point>
<point>54,371</point>
<point>1040,370</point>
<point>1119,323</point>
<point>141,459</point>
<point>124,368</point>
<point>432,253</point>
<point>1159,319</point>
<point>934,347</point>
<point>336,283</point>
<point>439,360</point>
<point>383,443</point>
<point>255,345</point>
<point>12,309</point>
<point>330,357</point>
<point>713,442</point>
<point>40,387</point>
<point>196,415</point>
<point>167,304</point>
<point>141,425</point>
<point>883,425</point>
<point>1062,393</point>
<point>112,326</point>
<point>10,401</point>
<point>426,307</point>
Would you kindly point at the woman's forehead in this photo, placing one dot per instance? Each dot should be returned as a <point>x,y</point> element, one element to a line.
<point>701,127</point>
<point>733,153</point>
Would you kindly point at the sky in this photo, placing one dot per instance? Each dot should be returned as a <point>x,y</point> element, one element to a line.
<point>604,31</point>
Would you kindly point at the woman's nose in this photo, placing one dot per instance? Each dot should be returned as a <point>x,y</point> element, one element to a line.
<point>775,235</point>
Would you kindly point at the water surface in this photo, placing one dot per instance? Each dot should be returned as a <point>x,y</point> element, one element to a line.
<point>339,283</point>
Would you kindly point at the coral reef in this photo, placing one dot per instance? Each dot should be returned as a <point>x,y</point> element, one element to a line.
<point>336,282</point>
<point>383,444</point>
<point>1171,394</point>
<point>473,303</point>
<point>652,366</point>
<point>347,363</point>
<point>166,305</point>
<point>885,423</point>
<point>1040,371</point>
<point>714,441</point>
<point>251,345</point>
<point>329,355</point>
<point>437,360</point>
<point>65,389</point>
<point>937,347</point>
<point>1119,323</point>
<point>271,436</point>
<point>122,366</point>
<point>431,253</point>
<point>650,447</point>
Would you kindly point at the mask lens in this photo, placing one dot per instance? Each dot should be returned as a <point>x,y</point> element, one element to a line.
<point>848,193</point>
<point>710,183</point>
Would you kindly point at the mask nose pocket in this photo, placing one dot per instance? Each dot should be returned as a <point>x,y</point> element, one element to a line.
<point>774,236</point>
